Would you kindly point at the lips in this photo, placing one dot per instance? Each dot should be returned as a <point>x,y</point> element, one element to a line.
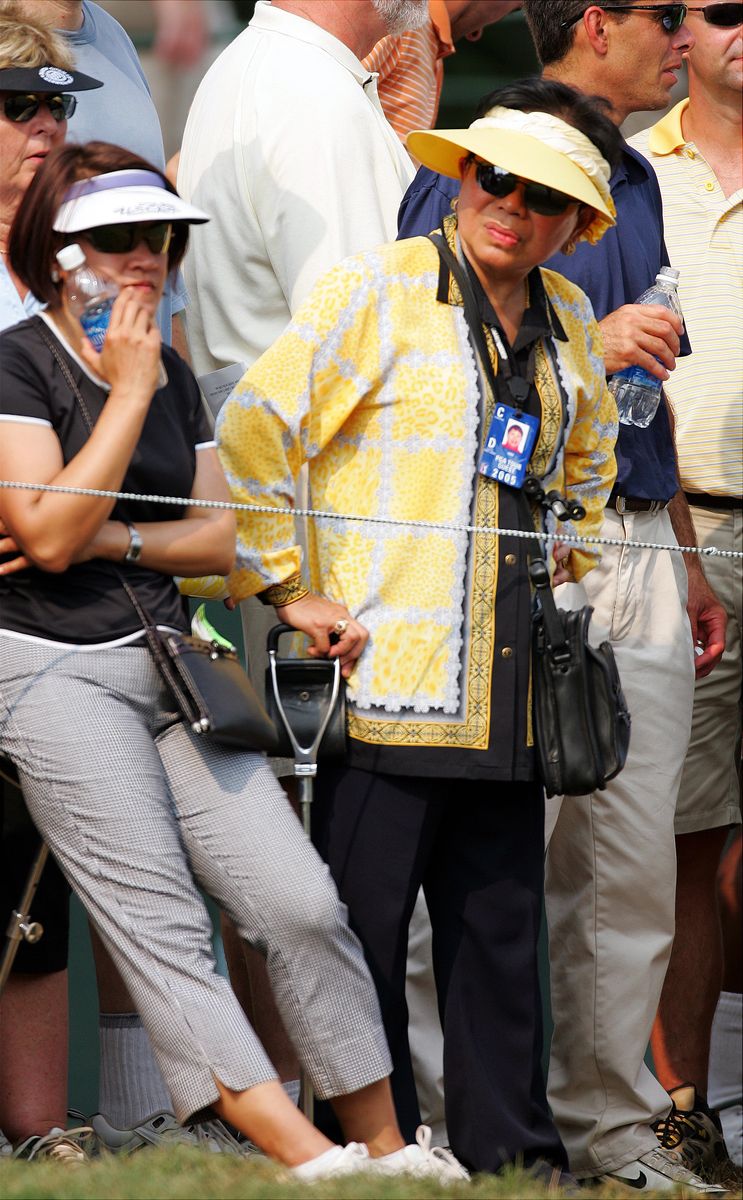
<point>500,235</point>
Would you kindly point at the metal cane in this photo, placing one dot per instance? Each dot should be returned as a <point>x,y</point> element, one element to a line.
<point>21,927</point>
<point>305,770</point>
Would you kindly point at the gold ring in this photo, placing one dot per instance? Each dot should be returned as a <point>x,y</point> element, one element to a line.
<point>340,627</point>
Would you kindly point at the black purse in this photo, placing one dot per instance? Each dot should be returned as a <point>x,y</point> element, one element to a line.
<point>209,687</point>
<point>581,720</point>
<point>310,692</point>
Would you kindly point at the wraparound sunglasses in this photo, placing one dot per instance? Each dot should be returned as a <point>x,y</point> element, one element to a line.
<point>20,107</point>
<point>121,239</point>
<point>670,16</point>
<point>546,201</point>
<point>724,16</point>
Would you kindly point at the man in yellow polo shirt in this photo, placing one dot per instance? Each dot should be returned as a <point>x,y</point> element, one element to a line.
<point>696,153</point>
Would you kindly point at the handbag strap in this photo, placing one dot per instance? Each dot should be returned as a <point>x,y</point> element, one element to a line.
<point>146,620</point>
<point>538,570</point>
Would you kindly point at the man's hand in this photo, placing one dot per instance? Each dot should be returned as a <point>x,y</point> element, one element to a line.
<point>639,335</point>
<point>318,617</point>
<point>708,623</point>
<point>8,545</point>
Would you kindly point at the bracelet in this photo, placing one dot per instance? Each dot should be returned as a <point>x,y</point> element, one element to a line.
<point>279,594</point>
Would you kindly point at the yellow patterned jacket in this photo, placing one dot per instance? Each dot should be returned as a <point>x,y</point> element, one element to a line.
<point>375,387</point>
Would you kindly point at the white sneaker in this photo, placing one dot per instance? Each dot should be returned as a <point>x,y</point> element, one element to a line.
<point>66,1146</point>
<point>339,1160</point>
<point>422,1159</point>
<point>657,1171</point>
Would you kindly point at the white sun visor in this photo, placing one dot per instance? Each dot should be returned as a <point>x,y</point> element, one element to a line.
<point>119,197</point>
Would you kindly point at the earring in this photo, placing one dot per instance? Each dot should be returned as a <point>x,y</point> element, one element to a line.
<point>569,247</point>
<point>453,203</point>
<point>55,275</point>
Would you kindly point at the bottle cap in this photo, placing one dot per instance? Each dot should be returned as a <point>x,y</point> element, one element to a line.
<point>669,273</point>
<point>70,257</point>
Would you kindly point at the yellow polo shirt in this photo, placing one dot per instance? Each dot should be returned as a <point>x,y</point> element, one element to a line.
<point>704,236</point>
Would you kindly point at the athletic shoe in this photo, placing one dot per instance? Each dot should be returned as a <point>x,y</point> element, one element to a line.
<point>70,1147</point>
<point>339,1160</point>
<point>692,1134</point>
<point>658,1171</point>
<point>162,1129</point>
<point>5,1146</point>
<point>422,1160</point>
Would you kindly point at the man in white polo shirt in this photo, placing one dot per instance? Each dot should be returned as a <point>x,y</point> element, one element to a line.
<point>696,153</point>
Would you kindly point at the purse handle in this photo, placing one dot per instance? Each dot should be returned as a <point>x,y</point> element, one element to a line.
<point>538,569</point>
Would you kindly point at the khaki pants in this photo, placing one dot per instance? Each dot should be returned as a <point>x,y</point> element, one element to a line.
<point>611,861</point>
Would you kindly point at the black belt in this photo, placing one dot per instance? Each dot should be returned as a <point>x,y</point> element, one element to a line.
<point>632,504</point>
<point>706,500</point>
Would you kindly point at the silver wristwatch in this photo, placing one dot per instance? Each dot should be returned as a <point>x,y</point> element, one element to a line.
<point>134,549</point>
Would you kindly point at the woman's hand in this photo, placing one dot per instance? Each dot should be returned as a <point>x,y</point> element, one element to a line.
<point>8,545</point>
<point>562,574</point>
<point>130,358</point>
<point>318,618</point>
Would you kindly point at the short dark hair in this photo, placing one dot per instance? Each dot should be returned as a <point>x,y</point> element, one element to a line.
<point>546,20</point>
<point>589,114</point>
<point>33,242</point>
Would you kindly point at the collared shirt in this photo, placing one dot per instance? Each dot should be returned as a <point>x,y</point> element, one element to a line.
<point>614,272</point>
<point>288,149</point>
<point>410,69</point>
<point>705,236</point>
<point>12,308</point>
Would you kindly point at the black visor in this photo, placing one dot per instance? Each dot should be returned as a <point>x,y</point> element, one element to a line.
<point>46,79</point>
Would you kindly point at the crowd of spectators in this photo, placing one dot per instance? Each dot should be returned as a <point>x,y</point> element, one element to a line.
<point>393,957</point>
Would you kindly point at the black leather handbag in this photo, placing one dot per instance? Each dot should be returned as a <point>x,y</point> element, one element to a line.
<point>305,688</point>
<point>581,720</point>
<point>211,691</point>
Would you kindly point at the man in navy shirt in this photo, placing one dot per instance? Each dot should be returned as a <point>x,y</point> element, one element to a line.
<point>611,856</point>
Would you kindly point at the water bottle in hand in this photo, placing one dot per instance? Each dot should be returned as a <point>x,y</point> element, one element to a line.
<point>635,390</point>
<point>89,295</point>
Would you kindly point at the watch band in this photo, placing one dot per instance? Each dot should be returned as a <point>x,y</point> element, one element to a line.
<point>134,550</point>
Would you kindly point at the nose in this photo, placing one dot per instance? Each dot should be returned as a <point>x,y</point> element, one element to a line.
<point>43,122</point>
<point>684,39</point>
<point>142,257</point>
<point>514,201</point>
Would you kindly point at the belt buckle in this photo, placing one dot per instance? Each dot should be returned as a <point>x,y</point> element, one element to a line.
<point>619,505</point>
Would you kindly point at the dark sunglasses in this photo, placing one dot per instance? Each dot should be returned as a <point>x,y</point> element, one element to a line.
<point>537,196</point>
<point>724,16</point>
<point>670,16</point>
<point>20,108</point>
<point>121,239</point>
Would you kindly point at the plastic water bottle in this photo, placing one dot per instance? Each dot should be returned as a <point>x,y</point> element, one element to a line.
<point>635,390</point>
<point>89,295</point>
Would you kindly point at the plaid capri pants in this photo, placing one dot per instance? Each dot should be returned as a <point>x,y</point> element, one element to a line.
<point>137,811</point>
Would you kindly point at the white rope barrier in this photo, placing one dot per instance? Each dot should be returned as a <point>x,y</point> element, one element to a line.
<point>319,514</point>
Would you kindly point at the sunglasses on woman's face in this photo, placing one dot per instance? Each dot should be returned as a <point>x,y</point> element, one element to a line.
<point>670,16</point>
<point>546,201</point>
<point>121,239</point>
<point>724,16</point>
<point>20,108</point>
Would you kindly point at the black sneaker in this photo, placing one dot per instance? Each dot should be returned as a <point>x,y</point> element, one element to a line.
<point>692,1134</point>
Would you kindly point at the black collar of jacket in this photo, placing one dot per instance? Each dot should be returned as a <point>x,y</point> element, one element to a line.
<point>539,319</point>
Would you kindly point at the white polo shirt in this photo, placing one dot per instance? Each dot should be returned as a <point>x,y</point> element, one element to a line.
<point>288,150</point>
<point>704,235</point>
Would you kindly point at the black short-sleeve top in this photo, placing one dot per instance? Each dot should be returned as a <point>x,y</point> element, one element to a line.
<point>86,604</point>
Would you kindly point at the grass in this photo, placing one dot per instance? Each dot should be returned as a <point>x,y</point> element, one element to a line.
<point>181,1173</point>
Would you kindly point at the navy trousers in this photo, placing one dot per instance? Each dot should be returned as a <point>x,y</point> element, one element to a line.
<point>477,848</point>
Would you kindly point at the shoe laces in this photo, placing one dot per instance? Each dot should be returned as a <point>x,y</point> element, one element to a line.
<point>673,1129</point>
<point>65,1146</point>
<point>446,1163</point>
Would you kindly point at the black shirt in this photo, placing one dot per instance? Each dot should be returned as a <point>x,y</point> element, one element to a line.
<point>86,604</point>
<point>508,755</point>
